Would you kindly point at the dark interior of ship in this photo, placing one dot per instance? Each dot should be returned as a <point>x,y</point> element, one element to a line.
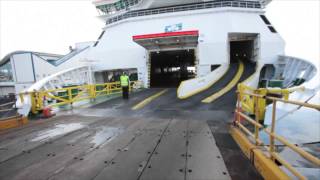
<point>241,50</point>
<point>169,68</point>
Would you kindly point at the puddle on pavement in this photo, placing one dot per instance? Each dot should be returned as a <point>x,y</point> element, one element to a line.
<point>105,134</point>
<point>59,129</point>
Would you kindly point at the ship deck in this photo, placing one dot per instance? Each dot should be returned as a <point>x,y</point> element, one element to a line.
<point>167,139</point>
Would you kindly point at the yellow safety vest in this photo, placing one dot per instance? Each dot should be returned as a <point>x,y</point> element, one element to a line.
<point>124,80</point>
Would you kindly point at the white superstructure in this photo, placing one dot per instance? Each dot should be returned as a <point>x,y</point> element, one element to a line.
<point>189,44</point>
<point>199,34</point>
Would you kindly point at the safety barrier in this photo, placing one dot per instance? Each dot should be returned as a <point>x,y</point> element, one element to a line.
<point>248,103</point>
<point>12,122</point>
<point>70,95</point>
<point>12,119</point>
<point>6,107</point>
<point>253,146</point>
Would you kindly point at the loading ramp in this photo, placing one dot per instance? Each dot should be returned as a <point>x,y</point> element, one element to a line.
<point>226,102</point>
<point>167,139</point>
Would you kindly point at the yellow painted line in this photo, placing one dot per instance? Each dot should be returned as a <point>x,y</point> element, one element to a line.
<point>226,89</point>
<point>201,89</point>
<point>148,100</point>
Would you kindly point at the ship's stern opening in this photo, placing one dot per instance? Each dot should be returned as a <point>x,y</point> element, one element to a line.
<point>172,56</point>
<point>244,47</point>
<point>169,68</point>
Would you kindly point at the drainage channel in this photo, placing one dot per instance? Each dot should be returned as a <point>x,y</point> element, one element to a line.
<point>154,150</point>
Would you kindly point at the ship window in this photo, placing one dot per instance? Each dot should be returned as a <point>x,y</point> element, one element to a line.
<point>265,20</point>
<point>272,29</point>
<point>117,6</point>
<point>214,67</point>
<point>6,72</point>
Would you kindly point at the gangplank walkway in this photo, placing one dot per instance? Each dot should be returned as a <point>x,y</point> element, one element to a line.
<point>112,141</point>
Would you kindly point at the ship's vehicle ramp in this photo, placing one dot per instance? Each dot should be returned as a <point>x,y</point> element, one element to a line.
<point>153,135</point>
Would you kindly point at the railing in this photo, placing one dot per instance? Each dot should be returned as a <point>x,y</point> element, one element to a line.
<point>6,107</point>
<point>188,7</point>
<point>69,95</point>
<point>271,149</point>
<point>249,103</point>
<point>9,117</point>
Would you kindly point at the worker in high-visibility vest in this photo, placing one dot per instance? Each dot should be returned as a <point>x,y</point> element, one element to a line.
<point>125,83</point>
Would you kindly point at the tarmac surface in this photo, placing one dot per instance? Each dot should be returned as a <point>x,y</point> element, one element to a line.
<point>169,138</point>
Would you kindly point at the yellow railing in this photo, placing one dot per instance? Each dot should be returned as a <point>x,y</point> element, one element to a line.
<point>69,95</point>
<point>273,155</point>
<point>248,103</point>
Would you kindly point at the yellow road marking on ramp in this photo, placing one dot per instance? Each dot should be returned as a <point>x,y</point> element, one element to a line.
<point>201,89</point>
<point>148,100</point>
<point>226,89</point>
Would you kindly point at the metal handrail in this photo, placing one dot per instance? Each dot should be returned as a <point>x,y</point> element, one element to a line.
<point>6,104</point>
<point>4,107</point>
<point>188,7</point>
<point>272,136</point>
<point>247,100</point>
<point>39,99</point>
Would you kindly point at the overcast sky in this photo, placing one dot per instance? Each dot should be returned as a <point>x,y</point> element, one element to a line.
<point>51,26</point>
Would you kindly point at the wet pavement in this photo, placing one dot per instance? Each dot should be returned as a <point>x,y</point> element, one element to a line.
<point>167,139</point>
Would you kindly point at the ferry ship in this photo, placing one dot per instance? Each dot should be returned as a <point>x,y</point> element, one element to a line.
<point>213,96</point>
